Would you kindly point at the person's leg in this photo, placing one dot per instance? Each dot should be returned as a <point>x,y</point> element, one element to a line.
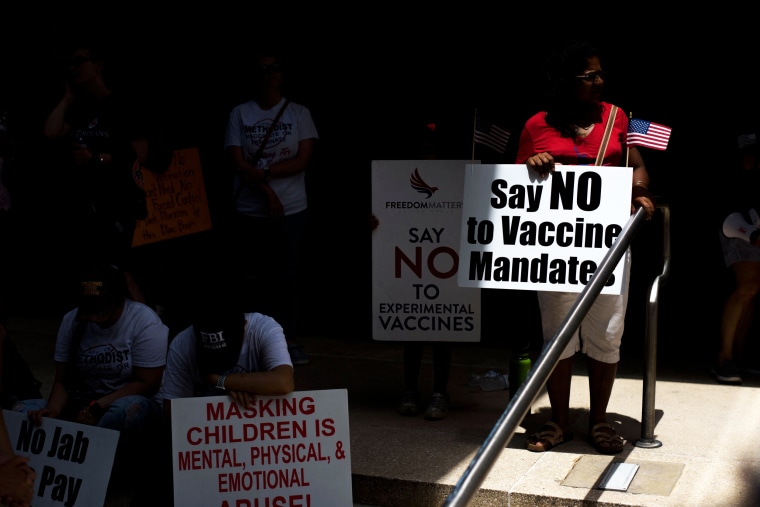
<point>601,336</point>
<point>441,367</point>
<point>292,239</point>
<point>738,310</point>
<point>554,307</point>
<point>409,404</point>
<point>438,407</point>
<point>413,352</point>
<point>138,421</point>
<point>601,378</point>
<point>558,389</point>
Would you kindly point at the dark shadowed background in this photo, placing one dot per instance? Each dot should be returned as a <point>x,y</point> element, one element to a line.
<point>370,77</point>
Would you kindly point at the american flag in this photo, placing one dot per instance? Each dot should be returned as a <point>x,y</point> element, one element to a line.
<point>648,134</point>
<point>746,140</point>
<point>491,135</point>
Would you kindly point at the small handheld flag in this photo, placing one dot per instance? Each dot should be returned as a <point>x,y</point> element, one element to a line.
<point>491,135</point>
<point>648,134</point>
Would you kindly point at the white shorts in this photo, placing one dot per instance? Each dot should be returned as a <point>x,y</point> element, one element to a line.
<point>601,330</point>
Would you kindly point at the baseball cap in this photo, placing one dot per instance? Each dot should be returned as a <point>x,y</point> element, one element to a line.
<point>101,289</point>
<point>219,336</point>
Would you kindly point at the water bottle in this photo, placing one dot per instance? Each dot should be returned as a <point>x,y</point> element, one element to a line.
<point>519,366</point>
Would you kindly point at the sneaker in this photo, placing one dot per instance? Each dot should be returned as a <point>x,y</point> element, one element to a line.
<point>499,383</point>
<point>749,369</point>
<point>727,373</point>
<point>297,354</point>
<point>438,408</point>
<point>408,405</point>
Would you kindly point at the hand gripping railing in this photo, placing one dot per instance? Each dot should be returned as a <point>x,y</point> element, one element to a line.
<point>518,406</point>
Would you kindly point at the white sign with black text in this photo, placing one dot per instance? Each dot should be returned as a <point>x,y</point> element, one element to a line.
<point>73,461</point>
<point>520,231</point>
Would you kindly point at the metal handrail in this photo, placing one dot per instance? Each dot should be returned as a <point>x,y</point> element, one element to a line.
<point>648,418</point>
<point>504,429</point>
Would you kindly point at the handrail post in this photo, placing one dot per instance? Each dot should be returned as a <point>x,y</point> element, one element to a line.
<point>648,418</point>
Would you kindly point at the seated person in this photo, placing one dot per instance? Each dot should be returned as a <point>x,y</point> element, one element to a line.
<point>226,350</point>
<point>109,357</point>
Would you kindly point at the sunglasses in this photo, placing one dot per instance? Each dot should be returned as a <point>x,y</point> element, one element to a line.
<point>591,77</point>
<point>275,67</point>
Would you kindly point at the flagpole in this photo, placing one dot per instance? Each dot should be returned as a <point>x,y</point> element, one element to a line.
<point>474,126</point>
<point>628,148</point>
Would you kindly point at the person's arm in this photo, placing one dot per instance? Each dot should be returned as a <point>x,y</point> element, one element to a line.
<point>275,382</point>
<point>252,176</point>
<point>57,400</point>
<point>55,125</point>
<point>640,195</point>
<point>295,165</point>
<point>243,387</point>
<point>146,382</point>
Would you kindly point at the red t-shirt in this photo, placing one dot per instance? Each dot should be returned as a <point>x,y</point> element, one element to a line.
<point>538,137</point>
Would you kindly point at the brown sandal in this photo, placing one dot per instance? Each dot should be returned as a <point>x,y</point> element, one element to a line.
<point>606,440</point>
<point>548,436</point>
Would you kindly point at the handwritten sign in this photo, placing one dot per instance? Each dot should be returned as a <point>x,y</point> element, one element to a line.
<point>177,203</point>
<point>523,232</point>
<point>415,295</point>
<point>73,461</point>
<point>289,451</point>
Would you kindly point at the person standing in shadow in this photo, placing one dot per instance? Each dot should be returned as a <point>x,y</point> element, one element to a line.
<point>106,137</point>
<point>740,243</point>
<point>270,142</point>
<point>426,145</point>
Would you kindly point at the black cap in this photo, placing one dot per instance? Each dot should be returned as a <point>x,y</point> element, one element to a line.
<point>219,334</point>
<point>101,290</point>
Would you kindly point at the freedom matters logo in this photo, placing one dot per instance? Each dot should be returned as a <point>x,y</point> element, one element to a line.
<point>420,186</point>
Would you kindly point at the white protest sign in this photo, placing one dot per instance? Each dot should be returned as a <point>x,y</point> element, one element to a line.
<point>73,461</point>
<point>415,294</point>
<point>523,232</point>
<point>284,451</point>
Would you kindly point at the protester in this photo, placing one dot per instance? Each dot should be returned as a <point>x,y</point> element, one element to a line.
<point>740,243</point>
<point>270,141</point>
<point>227,351</point>
<point>426,144</point>
<point>107,138</point>
<point>110,354</point>
<point>224,351</point>
<point>570,131</point>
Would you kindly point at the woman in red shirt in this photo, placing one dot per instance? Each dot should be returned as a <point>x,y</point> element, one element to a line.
<point>570,131</point>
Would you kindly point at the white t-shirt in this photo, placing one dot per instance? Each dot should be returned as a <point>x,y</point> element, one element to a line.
<point>107,357</point>
<point>264,348</point>
<point>247,126</point>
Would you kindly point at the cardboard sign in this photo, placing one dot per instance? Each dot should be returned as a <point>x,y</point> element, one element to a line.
<point>289,451</point>
<point>73,461</point>
<point>177,203</point>
<point>415,295</point>
<point>523,232</point>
